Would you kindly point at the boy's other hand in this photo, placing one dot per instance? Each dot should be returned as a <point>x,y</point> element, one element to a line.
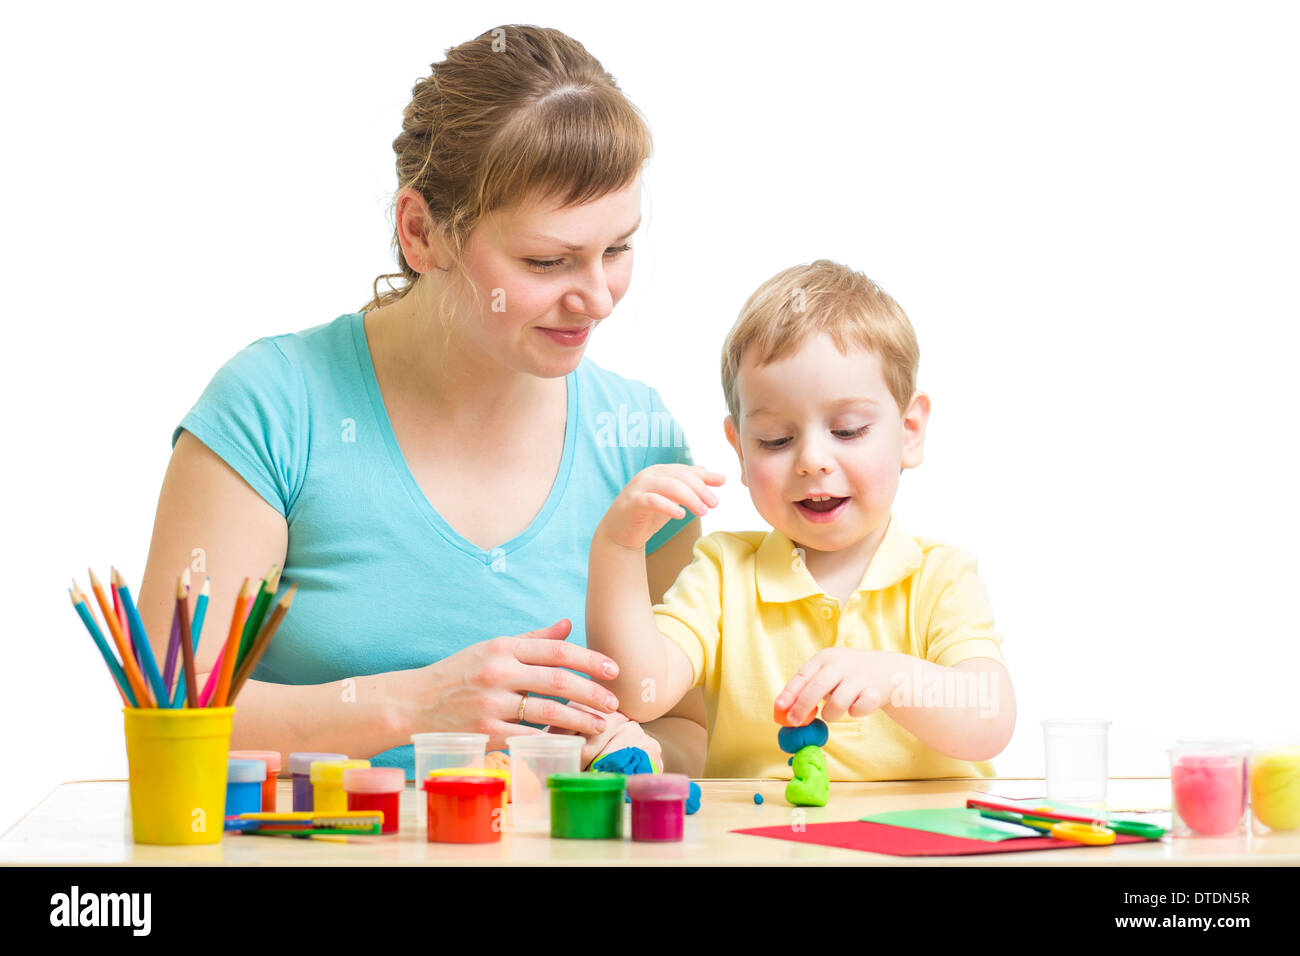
<point>849,679</point>
<point>653,497</point>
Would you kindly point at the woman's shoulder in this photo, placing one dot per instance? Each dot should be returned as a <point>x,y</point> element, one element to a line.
<point>606,383</point>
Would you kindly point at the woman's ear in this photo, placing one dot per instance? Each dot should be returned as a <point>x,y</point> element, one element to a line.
<point>729,427</point>
<point>914,421</point>
<point>423,243</point>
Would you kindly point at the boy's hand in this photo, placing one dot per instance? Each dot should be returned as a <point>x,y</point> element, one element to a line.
<point>619,732</point>
<point>851,680</point>
<point>652,497</point>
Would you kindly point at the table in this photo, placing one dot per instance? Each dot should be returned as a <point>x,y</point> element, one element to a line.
<point>87,823</point>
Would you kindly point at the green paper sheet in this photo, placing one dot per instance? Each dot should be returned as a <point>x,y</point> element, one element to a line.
<point>954,821</point>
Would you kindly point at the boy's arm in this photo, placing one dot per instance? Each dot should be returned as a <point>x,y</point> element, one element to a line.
<point>654,672</point>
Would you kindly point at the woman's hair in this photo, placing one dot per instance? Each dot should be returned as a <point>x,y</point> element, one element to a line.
<point>518,113</point>
<point>822,297</point>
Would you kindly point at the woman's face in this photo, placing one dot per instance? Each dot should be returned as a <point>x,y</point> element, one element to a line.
<point>546,276</point>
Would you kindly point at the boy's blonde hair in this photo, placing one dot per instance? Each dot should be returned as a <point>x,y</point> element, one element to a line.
<point>823,296</point>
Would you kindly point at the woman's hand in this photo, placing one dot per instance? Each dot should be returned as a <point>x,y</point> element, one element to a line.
<point>653,496</point>
<point>620,731</point>
<point>480,689</point>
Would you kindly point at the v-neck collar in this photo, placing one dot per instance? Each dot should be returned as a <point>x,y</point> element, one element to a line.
<point>418,498</point>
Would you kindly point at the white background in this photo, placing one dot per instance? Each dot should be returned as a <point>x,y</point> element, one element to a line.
<point>1089,211</point>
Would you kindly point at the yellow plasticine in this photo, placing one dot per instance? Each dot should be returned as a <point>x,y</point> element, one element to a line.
<point>1275,788</point>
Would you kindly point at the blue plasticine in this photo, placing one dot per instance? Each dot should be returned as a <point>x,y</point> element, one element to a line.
<point>794,739</point>
<point>693,800</point>
<point>758,797</point>
<point>632,760</point>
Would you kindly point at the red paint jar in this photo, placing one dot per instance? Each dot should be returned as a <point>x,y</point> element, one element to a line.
<point>377,788</point>
<point>272,760</point>
<point>464,809</point>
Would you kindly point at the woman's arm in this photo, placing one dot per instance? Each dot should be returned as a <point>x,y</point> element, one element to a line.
<point>210,520</point>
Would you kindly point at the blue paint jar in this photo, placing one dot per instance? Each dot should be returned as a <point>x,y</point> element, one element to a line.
<point>244,785</point>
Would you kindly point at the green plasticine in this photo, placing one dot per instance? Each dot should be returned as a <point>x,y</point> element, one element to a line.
<point>811,786</point>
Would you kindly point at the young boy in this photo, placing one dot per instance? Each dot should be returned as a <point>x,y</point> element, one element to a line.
<point>836,606</point>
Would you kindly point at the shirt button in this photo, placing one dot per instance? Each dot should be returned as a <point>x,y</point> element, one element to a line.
<point>827,612</point>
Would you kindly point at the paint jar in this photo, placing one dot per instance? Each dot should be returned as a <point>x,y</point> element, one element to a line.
<point>327,784</point>
<point>300,770</point>
<point>244,785</point>
<point>658,806</point>
<point>1274,773</point>
<point>502,775</point>
<point>533,758</point>
<point>587,806</point>
<point>177,765</point>
<point>1208,783</point>
<point>377,788</point>
<point>464,809</point>
<point>1076,759</point>
<point>272,760</point>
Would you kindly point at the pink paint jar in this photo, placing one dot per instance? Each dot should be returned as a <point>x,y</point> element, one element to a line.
<point>376,788</point>
<point>658,806</point>
<point>272,760</point>
<point>1208,781</point>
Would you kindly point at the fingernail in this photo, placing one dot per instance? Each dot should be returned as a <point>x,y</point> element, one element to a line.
<point>611,702</point>
<point>600,726</point>
<point>610,669</point>
<point>782,702</point>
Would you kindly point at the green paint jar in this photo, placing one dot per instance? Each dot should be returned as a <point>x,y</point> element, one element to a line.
<point>587,806</point>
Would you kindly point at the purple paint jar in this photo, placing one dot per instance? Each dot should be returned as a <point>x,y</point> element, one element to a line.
<point>658,806</point>
<point>300,768</point>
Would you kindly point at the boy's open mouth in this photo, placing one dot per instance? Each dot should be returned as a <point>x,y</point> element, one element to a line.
<point>824,506</point>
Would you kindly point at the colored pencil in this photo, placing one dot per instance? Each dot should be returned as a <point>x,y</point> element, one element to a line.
<point>119,612</point>
<point>210,685</point>
<point>232,647</point>
<point>200,613</point>
<point>174,646</point>
<point>138,687</point>
<point>259,646</point>
<point>265,595</point>
<point>187,645</point>
<point>119,677</point>
<point>141,640</point>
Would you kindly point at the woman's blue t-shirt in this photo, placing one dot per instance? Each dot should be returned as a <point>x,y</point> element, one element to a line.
<point>384,583</point>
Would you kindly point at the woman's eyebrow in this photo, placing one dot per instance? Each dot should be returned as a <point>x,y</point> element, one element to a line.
<point>578,248</point>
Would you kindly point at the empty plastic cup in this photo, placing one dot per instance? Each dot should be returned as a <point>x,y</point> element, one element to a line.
<point>534,758</point>
<point>433,751</point>
<point>1076,759</point>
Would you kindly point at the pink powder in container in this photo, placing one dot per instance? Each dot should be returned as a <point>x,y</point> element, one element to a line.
<point>1209,796</point>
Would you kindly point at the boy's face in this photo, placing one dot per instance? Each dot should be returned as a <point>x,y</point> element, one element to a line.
<point>824,423</point>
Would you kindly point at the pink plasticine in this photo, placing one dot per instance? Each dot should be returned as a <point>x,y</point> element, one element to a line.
<point>1208,793</point>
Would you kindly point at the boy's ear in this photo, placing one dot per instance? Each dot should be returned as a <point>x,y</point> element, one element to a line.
<point>729,427</point>
<point>914,422</point>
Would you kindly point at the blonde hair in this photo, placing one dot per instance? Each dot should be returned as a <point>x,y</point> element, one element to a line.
<point>827,297</point>
<point>520,112</point>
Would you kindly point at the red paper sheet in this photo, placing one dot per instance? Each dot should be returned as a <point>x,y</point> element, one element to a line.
<point>904,841</point>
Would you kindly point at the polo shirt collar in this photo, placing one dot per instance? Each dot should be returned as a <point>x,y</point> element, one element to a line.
<point>782,576</point>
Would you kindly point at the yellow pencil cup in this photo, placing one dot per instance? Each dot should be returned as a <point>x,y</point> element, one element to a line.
<point>177,760</point>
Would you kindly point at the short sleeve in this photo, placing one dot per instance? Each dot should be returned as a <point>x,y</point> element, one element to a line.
<point>666,445</point>
<point>956,610</point>
<point>251,416</point>
<point>691,613</point>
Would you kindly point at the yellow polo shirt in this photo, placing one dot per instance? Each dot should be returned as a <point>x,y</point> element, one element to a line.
<point>748,615</point>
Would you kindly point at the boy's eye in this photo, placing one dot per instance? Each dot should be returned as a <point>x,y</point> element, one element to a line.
<point>774,443</point>
<point>546,265</point>
<point>846,434</point>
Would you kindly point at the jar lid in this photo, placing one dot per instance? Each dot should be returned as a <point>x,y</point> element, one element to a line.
<point>477,786</point>
<point>374,779</point>
<point>471,772</point>
<point>659,786</point>
<point>591,781</point>
<point>331,771</point>
<point>245,771</point>
<point>301,762</point>
<point>270,757</point>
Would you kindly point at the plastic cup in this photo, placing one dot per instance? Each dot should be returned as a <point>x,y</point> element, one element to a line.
<point>1076,759</point>
<point>435,751</point>
<point>534,758</point>
<point>177,762</point>
<point>1208,780</point>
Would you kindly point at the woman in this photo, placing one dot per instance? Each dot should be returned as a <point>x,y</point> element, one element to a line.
<point>430,471</point>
